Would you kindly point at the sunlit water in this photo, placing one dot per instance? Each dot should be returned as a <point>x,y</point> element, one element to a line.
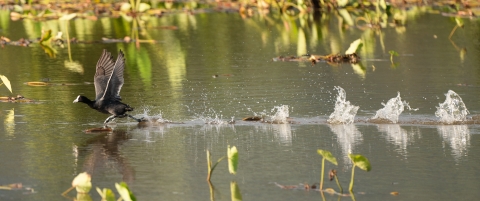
<point>196,84</point>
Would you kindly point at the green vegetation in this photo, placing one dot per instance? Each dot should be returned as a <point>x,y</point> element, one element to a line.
<point>328,156</point>
<point>232,155</point>
<point>6,82</point>
<point>360,162</point>
<point>82,183</point>
<point>392,53</point>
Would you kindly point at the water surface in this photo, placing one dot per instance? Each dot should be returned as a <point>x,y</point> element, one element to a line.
<point>43,145</point>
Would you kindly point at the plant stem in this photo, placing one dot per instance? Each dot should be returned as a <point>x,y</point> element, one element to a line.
<point>351,181</point>
<point>322,173</point>
<point>338,184</point>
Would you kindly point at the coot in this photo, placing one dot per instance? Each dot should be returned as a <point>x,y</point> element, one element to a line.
<point>108,83</point>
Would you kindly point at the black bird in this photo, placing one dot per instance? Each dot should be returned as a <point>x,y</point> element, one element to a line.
<point>108,83</point>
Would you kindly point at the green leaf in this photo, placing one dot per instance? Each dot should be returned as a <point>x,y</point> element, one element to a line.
<point>235,191</point>
<point>106,194</point>
<point>391,52</point>
<point>46,36</point>
<point>82,182</point>
<point>232,154</point>
<point>125,192</point>
<point>6,82</point>
<point>143,7</point>
<point>354,46</point>
<point>327,155</point>
<point>459,22</point>
<point>360,161</point>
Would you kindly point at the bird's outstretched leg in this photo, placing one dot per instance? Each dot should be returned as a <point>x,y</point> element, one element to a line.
<point>138,120</point>
<point>110,118</point>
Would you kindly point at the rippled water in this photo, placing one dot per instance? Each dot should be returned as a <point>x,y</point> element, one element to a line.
<point>200,78</point>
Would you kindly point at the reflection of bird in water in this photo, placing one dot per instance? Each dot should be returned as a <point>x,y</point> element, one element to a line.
<point>102,153</point>
<point>108,83</point>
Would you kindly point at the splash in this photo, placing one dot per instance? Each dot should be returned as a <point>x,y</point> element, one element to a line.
<point>281,114</point>
<point>156,118</point>
<point>392,110</point>
<point>212,117</point>
<point>452,110</point>
<point>344,112</point>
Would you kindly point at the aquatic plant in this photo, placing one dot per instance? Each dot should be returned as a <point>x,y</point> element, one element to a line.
<point>82,183</point>
<point>106,194</point>
<point>328,156</point>
<point>232,155</point>
<point>392,53</point>
<point>125,192</point>
<point>235,191</point>
<point>6,82</point>
<point>354,46</point>
<point>360,162</point>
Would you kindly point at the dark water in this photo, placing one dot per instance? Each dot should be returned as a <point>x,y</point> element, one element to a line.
<point>43,145</point>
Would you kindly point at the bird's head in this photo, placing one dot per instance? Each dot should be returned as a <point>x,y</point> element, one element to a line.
<point>81,99</point>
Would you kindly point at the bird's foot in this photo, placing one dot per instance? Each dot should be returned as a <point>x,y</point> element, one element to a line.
<point>137,119</point>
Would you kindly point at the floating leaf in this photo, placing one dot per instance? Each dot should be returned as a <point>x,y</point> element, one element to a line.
<point>360,161</point>
<point>327,155</point>
<point>232,154</point>
<point>235,191</point>
<point>106,194</point>
<point>82,182</point>
<point>125,192</point>
<point>354,46</point>
<point>36,84</point>
<point>6,82</point>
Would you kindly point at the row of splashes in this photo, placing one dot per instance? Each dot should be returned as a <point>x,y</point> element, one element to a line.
<point>453,110</point>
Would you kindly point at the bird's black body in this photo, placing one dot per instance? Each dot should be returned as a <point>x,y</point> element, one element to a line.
<point>108,83</point>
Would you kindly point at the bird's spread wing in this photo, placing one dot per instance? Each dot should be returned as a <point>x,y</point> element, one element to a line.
<point>109,76</point>
<point>115,82</point>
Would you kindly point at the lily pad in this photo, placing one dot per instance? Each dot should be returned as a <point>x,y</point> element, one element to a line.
<point>125,192</point>
<point>82,182</point>
<point>354,46</point>
<point>327,155</point>
<point>360,161</point>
